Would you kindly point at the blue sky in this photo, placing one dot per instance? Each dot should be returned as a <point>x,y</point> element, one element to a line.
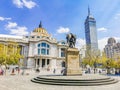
<point>20,17</point>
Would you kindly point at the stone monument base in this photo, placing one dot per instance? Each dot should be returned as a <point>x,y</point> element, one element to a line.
<point>73,62</point>
<point>71,72</point>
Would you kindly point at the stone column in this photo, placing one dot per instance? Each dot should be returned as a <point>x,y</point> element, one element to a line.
<point>23,50</point>
<point>50,64</point>
<point>35,63</point>
<point>40,63</point>
<point>46,63</point>
<point>59,51</point>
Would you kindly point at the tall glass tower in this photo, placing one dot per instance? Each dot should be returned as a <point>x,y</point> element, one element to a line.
<point>91,32</point>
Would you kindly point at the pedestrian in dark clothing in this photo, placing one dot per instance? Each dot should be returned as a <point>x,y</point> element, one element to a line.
<point>54,70</point>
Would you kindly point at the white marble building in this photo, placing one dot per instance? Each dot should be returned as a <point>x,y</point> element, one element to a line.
<point>40,49</point>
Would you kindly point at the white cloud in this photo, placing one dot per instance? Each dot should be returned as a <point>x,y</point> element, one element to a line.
<point>24,3</point>
<point>102,29</point>
<point>63,30</point>
<point>19,31</point>
<point>80,43</point>
<point>15,29</point>
<point>11,25</point>
<point>117,16</point>
<point>102,42</point>
<point>18,3</point>
<point>4,18</point>
<point>29,4</point>
<point>117,39</point>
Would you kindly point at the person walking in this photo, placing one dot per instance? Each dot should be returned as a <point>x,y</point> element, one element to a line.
<point>13,71</point>
<point>54,70</point>
<point>1,72</point>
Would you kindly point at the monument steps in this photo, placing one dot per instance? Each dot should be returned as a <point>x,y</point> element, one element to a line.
<point>73,82</point>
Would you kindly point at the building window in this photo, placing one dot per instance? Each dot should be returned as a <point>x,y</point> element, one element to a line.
<point>43,44</point>
<point>26,36</point>
<point>38,45</point>
<point>47,51</point>
<point>38,36</point>
<point>63,64</point>
<point>32,36</point>
<point>38,51</point>
<point>62,52</point>
<point>48,61</point>
<point>48,46</point>
<point>43,48</point>
<point>63,42</point>
<point>43,51</point>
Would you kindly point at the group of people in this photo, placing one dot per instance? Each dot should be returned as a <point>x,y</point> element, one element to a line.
<point>62,71</point>
<point>18,71</point>
<point>38,70</point>
<point>12,71</point>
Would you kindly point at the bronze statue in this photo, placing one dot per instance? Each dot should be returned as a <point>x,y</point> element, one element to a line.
<point>71,40</point>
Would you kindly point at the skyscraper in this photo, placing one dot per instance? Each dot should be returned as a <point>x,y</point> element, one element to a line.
<point>91,32</point>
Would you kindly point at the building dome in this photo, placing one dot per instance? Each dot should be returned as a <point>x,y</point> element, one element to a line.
<point>40,31</point>
<point>111,41</point>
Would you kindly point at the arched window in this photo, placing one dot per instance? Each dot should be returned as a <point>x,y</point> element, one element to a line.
<point>43,48</point>
<point>38,45</point>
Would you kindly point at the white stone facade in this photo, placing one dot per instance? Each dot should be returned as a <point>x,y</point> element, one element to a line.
<point>39,49</point>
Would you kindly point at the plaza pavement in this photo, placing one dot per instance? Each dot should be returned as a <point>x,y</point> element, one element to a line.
<point>22,82</point>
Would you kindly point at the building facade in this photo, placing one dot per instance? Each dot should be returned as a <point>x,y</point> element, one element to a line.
<point>40,49</point>
<point>91,32</point>
<point>112,49</point>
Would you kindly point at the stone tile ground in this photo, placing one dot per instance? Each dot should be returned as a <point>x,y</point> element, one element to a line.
<point>22,82</point>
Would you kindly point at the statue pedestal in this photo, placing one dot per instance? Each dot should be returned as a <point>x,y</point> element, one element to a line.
<point>72,62</point>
